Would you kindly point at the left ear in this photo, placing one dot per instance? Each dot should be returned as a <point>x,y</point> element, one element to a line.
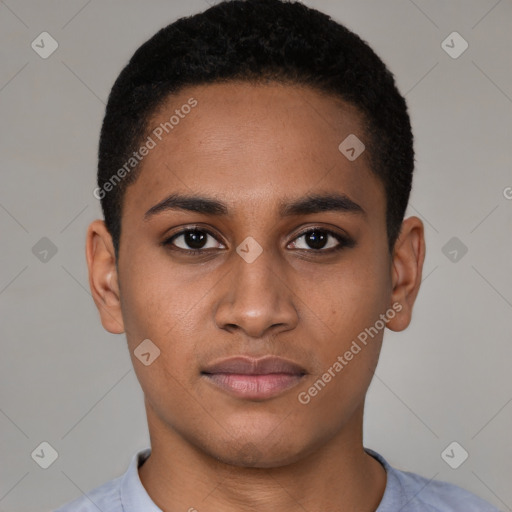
<point>407,266</point>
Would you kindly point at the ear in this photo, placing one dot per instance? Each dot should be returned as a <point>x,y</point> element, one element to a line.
<point>407,266</point>
<point>103,280</point>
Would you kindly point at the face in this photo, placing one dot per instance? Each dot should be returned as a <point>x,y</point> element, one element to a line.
<point>250,288</point>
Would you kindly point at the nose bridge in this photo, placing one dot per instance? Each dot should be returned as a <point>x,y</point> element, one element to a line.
<point>257,297</point>
<point>256,258</point>
<point>256,267</point>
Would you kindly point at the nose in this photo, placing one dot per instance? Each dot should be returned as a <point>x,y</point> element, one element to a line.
<point>256,297</point>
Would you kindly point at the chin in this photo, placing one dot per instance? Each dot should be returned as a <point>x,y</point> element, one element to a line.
<point>259,454</point>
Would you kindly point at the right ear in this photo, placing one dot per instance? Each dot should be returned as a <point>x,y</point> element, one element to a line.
<point>103,280</point>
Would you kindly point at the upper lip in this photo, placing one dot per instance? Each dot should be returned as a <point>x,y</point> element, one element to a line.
<point>243,365</point>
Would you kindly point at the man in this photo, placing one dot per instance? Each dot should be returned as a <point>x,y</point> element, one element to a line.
<point>255,166</point>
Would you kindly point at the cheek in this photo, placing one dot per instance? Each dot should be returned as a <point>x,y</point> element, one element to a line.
<point>154,307</point>
<point>152,297</point>
<point>354,298</point>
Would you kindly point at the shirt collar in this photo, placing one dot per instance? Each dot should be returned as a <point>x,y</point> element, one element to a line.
<point>394,493</point>
<point>134,496</point>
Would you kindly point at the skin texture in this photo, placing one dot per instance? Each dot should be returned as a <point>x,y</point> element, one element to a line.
<point>252,147</point>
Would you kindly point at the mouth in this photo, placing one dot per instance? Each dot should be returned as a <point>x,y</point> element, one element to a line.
<point>254,379</point>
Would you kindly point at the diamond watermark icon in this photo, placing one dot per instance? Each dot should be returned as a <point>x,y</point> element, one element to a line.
<point>44,250</point>
<point>44,45</point>
<point>351,147</point>
<point>45,455</point>
<point>146,352</point>
<point>454,455</point>
<point>249,249</point>
<point>454,45</point>
<point>454,249</point>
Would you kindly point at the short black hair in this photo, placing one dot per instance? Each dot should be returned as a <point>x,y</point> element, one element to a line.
<point>255,41</point>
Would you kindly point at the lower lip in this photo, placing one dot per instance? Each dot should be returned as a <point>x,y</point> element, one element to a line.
<point>254,387</point>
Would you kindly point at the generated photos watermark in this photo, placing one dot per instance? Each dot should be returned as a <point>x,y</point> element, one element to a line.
<point>305,397</point>
<point>152,141</point>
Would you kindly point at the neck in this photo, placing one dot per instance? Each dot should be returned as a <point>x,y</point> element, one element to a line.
<point>338,476</point>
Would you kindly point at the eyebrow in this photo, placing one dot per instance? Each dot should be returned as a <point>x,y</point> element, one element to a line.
<point>309,204</point>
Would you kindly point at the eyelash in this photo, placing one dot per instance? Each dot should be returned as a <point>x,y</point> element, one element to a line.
<point>344,242</point>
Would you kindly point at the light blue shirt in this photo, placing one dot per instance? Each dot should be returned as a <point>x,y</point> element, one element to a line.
<point>405,492</point>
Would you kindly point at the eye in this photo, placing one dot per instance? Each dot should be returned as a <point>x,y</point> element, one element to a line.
<point>192,241</point>
<point>195,240</point>
<point>318,240</point>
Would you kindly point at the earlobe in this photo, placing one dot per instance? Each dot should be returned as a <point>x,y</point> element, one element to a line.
<point>103,280</point>
<point>407,266</point>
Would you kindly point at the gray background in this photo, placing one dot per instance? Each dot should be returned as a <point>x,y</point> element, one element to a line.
<point>68,382</point>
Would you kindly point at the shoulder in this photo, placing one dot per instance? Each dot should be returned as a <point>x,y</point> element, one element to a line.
<point>440,496</point>
<point>106,497</point>
<point>410,492</point>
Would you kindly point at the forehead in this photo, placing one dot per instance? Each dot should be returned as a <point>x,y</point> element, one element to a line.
<point>252,145</point>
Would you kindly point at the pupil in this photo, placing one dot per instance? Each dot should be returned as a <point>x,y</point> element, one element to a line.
<point>316,239</point>
<point>195,239</point>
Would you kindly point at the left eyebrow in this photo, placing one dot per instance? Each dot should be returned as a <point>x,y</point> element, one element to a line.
<point>307,205</point>
<point>316,203</point>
